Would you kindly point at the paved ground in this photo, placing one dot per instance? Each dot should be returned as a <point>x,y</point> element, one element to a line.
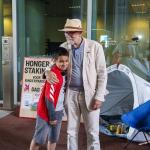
<point>16,134</point>
<point>4,113</point>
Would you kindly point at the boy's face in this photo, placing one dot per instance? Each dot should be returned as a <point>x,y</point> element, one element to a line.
<point>62,62</point>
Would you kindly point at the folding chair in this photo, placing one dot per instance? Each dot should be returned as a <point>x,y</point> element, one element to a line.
<point>138,118</point>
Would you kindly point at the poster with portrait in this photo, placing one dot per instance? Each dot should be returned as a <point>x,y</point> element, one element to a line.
<point>32,84</point>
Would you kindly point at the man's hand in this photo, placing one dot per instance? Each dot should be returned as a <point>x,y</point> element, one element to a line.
<point>96,104</point>
<point>53,122</point>
<point>51,77</point>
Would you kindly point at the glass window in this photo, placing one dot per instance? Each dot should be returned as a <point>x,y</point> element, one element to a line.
<point>5,30</point>
<point>44,18</point>
<point>123,28</point>
<point>7,14</point>
<point>38,24</point>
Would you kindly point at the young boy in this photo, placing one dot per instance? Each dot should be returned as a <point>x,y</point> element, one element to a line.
<point>50,105</point>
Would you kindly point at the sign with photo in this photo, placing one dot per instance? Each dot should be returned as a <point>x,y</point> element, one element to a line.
<point>32,84</point>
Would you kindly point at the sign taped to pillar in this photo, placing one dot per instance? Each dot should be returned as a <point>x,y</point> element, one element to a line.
<point>32,83</point>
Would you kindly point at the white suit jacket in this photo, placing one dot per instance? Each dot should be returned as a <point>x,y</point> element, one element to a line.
<point>94,71</point>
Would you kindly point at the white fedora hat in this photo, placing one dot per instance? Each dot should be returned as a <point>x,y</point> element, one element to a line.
<point>72,25</point>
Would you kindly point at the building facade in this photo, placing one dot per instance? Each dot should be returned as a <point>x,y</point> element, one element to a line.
<point>121,26</point>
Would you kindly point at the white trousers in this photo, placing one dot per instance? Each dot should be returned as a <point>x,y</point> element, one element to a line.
<point>75,107</point>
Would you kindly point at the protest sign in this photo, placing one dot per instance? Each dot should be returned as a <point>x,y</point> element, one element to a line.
<point>32,84</point>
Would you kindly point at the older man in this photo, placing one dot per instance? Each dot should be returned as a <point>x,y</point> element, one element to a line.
<point>86,86</point>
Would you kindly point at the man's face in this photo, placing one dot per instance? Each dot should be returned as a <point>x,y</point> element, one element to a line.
<point>74,37</point>
<point>62,62</point>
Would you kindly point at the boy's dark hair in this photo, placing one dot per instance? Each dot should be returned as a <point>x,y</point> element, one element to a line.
<point>60,51</point>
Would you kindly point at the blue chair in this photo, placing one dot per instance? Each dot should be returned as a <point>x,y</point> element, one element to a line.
<point>138,118</point>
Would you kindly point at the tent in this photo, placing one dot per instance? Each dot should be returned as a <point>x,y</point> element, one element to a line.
<point>126,92</point>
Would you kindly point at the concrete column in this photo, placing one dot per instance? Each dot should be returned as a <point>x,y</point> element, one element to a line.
<point>94,20</point>
<point>15,68</point>
<point>89,18</point>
